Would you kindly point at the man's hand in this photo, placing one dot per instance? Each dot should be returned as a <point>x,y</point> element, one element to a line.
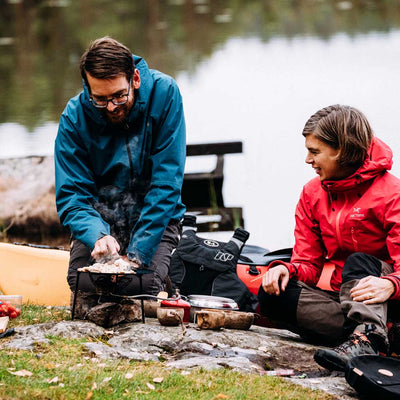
<point>372,290</point>
<point>107,246</point>
<point>275,280</point>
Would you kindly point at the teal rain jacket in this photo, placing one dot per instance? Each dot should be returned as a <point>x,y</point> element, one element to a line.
<point>133,172</point>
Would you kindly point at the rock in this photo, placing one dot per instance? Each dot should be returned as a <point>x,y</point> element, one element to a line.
<point>253,351</point>
<point>27,207</point>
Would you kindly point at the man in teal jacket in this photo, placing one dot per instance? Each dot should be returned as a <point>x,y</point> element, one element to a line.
<point>119,163</point>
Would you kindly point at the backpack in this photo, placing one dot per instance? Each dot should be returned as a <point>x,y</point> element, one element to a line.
<point>374,376</point>
<point>202,266</point>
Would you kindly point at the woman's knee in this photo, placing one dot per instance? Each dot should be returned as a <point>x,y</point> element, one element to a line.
<point>360,265</point>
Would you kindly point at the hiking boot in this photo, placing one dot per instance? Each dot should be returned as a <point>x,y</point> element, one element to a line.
<point>337,358</point>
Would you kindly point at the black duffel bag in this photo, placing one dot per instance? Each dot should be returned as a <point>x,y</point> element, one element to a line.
<point>202,266</point>
<point>374,376</point>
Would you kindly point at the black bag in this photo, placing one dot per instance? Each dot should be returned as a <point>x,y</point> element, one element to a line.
<point>208,267</point>
<point>374,376</point>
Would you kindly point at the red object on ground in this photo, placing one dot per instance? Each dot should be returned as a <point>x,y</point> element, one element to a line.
<point>8,310</point>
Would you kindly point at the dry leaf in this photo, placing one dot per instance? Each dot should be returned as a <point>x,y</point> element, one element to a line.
<point>185,373</point>
<point>94,386</point>
<point>158,380</point>
<point>53,380</point>
<point>89,395</point>
<point>221,396</point>
<point>150,386</point>
<point>22,372</point>
<point>129,375</point>
<point>107,379</point>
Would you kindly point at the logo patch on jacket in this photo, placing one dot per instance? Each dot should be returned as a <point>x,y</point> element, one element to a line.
<point>357,213</point>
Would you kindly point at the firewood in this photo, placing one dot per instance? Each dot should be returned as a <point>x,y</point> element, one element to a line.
<point>169,316</point>
<point>210,319</point>
<point>3,323</point>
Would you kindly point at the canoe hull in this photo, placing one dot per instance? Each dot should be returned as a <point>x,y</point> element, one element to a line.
<point>39,275</point>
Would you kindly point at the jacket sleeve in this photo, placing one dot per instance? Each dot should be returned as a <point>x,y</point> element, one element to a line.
<point>75,187</point>
<point>168,154</point>
<point>308,255</point>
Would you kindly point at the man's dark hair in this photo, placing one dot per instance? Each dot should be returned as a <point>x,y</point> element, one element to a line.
<point>106,58</point>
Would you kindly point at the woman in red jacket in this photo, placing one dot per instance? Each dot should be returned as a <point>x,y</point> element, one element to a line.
<point>349,215</point>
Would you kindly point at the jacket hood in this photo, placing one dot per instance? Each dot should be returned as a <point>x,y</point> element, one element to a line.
<point>141,95</point>
<point>379,160</point>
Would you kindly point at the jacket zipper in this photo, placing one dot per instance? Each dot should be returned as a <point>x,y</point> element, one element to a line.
<point>337,224</point>
<point>128,149</point>
<point>353,236</point>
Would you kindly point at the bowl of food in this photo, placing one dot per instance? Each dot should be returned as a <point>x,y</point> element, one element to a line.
<point>10,306</point>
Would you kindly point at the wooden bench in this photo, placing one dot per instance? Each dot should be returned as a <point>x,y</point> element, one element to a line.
<point>204,189</point>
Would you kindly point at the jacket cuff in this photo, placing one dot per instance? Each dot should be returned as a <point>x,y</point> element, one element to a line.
<point>396,282</point>
<point>291,268</point>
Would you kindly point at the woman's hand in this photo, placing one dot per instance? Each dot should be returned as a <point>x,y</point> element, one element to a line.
<point>275,280</point>
<point>107,246</point>
<point>372,290</point>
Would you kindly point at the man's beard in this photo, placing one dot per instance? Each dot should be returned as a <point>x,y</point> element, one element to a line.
<point>119,115</point>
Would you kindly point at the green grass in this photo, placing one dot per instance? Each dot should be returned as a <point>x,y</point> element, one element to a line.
<point>63,369</point>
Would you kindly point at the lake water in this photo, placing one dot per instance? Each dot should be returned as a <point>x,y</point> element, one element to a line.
<point>246,85</point>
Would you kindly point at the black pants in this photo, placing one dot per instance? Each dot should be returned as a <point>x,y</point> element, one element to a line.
<point>327,317</point>
<point>153,282</point>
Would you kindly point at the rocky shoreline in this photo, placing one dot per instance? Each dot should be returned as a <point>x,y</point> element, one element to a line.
<point>254,351</point>
<point>27,210</point>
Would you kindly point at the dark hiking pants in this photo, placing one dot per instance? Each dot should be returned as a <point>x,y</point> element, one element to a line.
<point>153,282</point>
<point>328,317</point>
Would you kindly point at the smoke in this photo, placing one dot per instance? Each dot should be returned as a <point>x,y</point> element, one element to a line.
<point>121,210</point>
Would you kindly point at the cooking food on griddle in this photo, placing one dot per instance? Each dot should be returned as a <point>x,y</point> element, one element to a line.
<point>116,266</point>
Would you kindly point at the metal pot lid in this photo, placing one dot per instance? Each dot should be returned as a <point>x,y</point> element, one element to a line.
<point>197,300</point>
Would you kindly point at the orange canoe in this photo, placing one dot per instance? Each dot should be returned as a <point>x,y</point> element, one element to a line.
<point>38,274</point>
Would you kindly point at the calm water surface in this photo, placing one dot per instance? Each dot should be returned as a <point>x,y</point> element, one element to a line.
<point>252,71</point>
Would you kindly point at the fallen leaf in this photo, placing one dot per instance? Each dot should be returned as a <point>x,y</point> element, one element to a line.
<point>53,380</point>
<point>22,372</point>
<point>158,379</point>
<point>94,386</point>
<point>129,375</point>
<point>221,396</point>
<point>107,379</point>
<point>150,386</point>
<point>89,395</point>
<point>185,373</point>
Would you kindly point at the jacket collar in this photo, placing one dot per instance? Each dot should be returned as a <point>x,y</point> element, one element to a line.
<point>379,160</point>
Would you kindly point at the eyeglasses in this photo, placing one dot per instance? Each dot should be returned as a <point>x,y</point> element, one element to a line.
<point>117,100</point>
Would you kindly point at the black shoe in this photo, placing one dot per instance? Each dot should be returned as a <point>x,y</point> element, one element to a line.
<point>336,359</point>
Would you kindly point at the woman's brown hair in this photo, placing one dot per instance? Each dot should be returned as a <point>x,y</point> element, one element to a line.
<point>344,128</point>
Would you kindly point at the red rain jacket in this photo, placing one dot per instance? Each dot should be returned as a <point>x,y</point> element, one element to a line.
<point>360,213</point>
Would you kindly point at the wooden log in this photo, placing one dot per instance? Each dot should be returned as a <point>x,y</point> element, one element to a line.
<point>169,316</point>
<point>210,319</point>
<point>3,324</point>
<point>238,320</point>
